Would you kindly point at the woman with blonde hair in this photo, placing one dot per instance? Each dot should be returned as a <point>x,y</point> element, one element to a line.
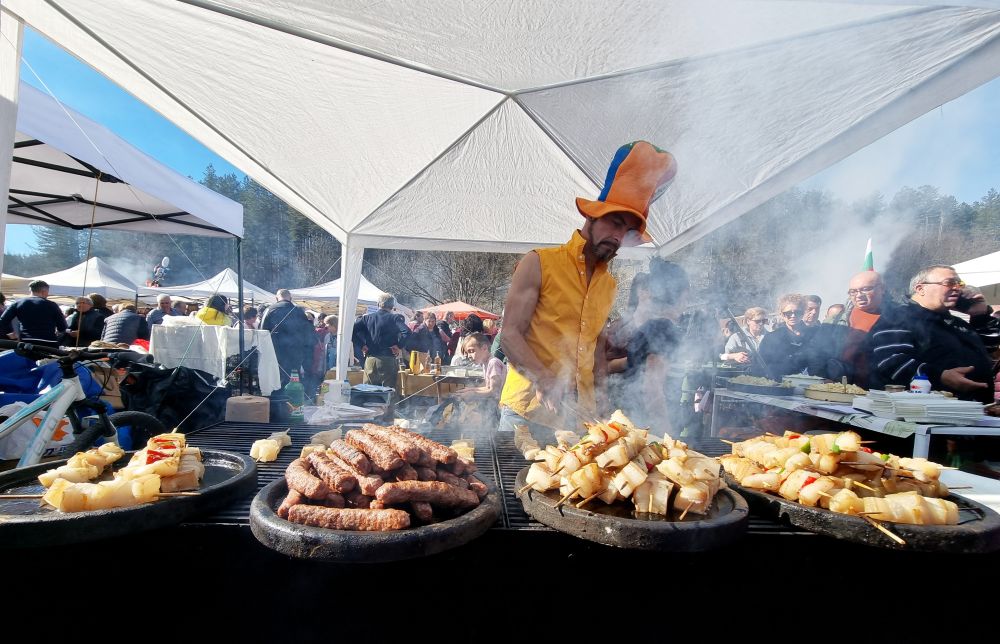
<point>782,350</point>
<point>740,347</point>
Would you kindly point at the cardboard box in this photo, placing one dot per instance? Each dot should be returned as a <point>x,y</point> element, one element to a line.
<point>248,409</point>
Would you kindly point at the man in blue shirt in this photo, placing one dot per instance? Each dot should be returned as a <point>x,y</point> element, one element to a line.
<point>42,321</point>
<point>380,334</point>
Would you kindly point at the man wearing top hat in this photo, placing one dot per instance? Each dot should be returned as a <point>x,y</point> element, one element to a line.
<point>559,298</point>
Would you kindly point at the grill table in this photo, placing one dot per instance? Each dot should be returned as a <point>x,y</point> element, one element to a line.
<point>233,585</point>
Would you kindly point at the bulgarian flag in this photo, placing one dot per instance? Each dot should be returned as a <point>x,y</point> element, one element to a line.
<point>869,264</point>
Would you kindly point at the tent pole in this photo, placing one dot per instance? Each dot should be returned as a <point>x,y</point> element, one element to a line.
<point>239,304</point>
<point>12,33</point>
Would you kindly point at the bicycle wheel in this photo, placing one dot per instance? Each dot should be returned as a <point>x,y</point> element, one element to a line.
<point>143,426</point>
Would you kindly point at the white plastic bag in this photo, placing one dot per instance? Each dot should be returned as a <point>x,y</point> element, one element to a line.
<point>14,444</point>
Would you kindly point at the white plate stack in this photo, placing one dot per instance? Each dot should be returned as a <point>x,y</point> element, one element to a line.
<point>924,408</point>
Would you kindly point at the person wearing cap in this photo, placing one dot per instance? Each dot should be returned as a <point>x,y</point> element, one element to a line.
<point>41,320</point>
<point>559,298</point>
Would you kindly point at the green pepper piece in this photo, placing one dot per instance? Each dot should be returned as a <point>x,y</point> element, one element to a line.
<point>835,449</point>
<point>884,457</point>
<point>806,447</point>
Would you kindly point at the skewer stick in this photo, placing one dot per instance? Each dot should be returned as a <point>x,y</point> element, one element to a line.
<point>829,496</point>
<point>684,513</point>
<point>169,494</point>
<point>588,499</point>
<point>862,485</point>
<point>960,487</point>
<point>723,440</point>
<point>884,530</point>
<point>21,496</point>
<point>523,489</point>
<point>566,498</point>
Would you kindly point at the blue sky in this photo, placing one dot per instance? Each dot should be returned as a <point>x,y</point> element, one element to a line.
<point>955,147</point>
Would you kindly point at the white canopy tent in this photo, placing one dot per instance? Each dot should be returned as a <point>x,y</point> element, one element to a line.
<point>367,293</point>
<point>463,125</point>
<point>983,272</point>
<point>13,284</point>
<point>225,282</point>
<point>91,276</point>
<point>58,154</point>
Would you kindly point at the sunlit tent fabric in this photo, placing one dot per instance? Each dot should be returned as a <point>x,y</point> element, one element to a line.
<point>59,152</point>
<point>331,291</point>
<point>13,284</point>
<point>983,272</point>
<point>465,125</point>
<point>225,283</point>
<point>91,276</point>
<point>460,309</point>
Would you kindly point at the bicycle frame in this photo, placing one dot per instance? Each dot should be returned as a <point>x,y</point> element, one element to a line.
<point>58,400</point>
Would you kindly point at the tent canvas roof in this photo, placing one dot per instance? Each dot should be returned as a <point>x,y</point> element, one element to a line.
<point>225,283</point>
<point>981,271</point>
<point>58,155</point>
<point>368,293</point>
<point>460,309</point>
<point>91,276</point>
<point>13,284</point>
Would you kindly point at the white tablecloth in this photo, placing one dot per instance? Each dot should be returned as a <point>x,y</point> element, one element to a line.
<point>206,347</point>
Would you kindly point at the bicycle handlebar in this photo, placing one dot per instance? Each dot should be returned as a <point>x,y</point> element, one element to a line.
<point>39,351</point>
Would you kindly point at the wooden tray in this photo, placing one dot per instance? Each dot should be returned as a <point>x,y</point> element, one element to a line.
<point>348,546</point>
<point>620,526</point>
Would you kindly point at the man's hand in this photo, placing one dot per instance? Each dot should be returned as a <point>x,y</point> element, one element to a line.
<point>740,357</point>
<point>549,393</point>
<point>954,379</point>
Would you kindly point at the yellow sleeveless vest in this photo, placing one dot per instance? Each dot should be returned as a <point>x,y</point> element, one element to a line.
<point>568,319</point>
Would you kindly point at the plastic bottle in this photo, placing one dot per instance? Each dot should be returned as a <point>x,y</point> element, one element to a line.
<point>296,397</point>
<point>920,384</point>
<point>437,362</point>
<point>345,392</point>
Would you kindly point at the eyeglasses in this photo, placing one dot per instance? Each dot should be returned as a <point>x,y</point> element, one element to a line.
<point>792,313</point>
<point>864,289</point>
<point>951,282</point>
<point>760,321</point>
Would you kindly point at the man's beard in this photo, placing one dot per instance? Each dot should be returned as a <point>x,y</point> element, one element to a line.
<point>604,251</point>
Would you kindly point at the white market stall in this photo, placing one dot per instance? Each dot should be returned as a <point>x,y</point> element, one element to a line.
<point>462,125</point>
<point>91,276</point>
<point>226,283</point>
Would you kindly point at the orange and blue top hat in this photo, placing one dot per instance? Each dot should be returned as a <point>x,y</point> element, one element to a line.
<point>638,175</point>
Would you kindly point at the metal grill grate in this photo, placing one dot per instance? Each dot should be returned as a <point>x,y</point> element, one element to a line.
<point>498,460</point>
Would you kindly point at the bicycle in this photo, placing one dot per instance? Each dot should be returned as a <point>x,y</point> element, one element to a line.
<point>69,396</point>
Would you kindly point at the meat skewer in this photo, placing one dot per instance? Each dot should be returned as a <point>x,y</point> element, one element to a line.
<point>359,462</point>
<point>300,479</point>
<point>333,475</point>
<point>349,519</point>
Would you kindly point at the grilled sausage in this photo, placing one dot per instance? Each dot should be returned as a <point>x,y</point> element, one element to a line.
<point>437,450</point>
<point>406,473</point>
<point>433,492</point>
<point>449,478</point>
<point>358,500</point>
<point>334,476</point>
<point>381,455</point>
<point>359,462</point>
<point>300,479</point>
<point>426,474</point>
<point>376,505</point>
<point>367,484</point>
<point>333,500</point>
<point>478,487</point>
<point>399,443</point>
<point>294,498</point>
<point>376,520</point>
<point>423,511</point>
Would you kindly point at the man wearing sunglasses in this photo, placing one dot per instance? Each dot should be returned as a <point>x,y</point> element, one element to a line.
<point>923,335</point>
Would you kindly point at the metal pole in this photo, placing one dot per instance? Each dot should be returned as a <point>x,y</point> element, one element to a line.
<point>239,304</point>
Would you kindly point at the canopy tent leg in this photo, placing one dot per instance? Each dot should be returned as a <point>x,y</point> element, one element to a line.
<point>351,258</point>
<point>239,307</point>
<point>11,43</point>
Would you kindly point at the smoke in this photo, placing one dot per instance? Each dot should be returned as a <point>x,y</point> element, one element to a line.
<point>135,270</point>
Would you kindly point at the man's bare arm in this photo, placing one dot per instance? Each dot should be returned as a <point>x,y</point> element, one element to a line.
<point>518,311</point>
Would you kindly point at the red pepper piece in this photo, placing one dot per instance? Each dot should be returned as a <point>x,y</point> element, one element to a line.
<point>866,449</point>
<point>153,455</point>
<point>811,479</point>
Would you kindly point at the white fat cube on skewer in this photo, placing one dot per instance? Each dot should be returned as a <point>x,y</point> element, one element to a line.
<point>865,461</point>
<point>702,468</point>
<point>794,482</point>
<point>651,456</point>
<point>797,462</point>
<point>846,501</point>
<point>694,498</point>
<point>569,463</point>
<point>552,456</point>
<point>309,449</point>
<point>540,478</point>
<point>587,480</point>
<point>653,495</point>
<point>811,493</point>
<point>630,476</point>
<point>265,450</point>
<point>69,473</point>
<point>163,467</point>
<point>673,469</point>
<point>922,469</point>
<point>614,456</point>
<point>769,481</point>
<point>777,457</point>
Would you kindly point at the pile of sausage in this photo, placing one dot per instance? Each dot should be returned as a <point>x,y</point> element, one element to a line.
<point>380,478</point>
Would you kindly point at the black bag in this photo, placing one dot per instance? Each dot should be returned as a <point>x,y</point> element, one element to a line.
<point>171,395</point>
